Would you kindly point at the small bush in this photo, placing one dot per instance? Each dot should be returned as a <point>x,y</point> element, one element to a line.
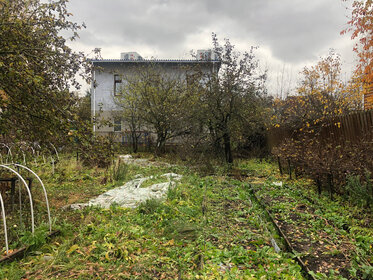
<point>358,190</point>
<point>96,151</point>
<point>120,170</point>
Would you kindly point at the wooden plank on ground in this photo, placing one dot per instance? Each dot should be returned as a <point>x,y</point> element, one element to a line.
<point>22,251</point>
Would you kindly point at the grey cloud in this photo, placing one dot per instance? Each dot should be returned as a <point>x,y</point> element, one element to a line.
<point>297,34</point>
<point>293,30</point>
<point>157,23</point>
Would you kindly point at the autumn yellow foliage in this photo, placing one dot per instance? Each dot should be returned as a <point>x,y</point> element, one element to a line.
<point>322,94</point>
<point>361,27</point>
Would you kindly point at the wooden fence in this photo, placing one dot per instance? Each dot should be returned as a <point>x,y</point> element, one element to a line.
<point>355,127</point>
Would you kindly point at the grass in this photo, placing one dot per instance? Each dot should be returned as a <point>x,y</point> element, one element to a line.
<point>208,228</point>
<point>333,237</point>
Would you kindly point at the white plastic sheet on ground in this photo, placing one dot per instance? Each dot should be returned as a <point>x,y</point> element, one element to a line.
<point>131,194</point>
<point>128,159</point>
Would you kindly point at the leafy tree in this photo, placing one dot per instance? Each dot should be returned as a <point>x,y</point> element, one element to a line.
<point>232,97</point>
<point>361,26</point>
<point>37,69</point>
<point>92,150</point>
<point>129,102</point>
<point>227,105</point>
<point>307,124</point>
<point>82,107</point>
<point>157,101</point>
<point>321,95</point>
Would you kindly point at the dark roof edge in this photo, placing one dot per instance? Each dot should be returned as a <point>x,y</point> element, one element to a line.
<point>153,60</point>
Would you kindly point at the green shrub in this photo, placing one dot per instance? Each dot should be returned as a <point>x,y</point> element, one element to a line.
<point>359,190</point>
<point>96,151</point>
<point>120,170</point>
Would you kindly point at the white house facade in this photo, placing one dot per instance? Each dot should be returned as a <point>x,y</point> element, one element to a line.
<point>108,78</point>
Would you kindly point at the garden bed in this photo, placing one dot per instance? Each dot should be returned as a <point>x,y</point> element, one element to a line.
<point>319,230</point>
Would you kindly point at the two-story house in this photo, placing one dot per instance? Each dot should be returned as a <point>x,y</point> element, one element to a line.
<point>108,78</point>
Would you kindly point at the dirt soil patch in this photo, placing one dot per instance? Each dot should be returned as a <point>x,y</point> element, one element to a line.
<point>320,252</point>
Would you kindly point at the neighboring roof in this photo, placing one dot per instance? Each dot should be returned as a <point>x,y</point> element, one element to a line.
<point>153,60</point>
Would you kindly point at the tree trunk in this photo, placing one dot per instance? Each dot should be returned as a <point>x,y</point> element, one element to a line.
<point>216,141</point>
<point>227,148</point>
<point>134,142</point>
<point>161,143</point>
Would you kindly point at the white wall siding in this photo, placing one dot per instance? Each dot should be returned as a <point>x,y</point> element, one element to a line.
<point>103,93</point>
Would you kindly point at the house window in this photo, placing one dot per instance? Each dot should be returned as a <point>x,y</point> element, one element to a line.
<point>117,124</point>
<point>117,83</point>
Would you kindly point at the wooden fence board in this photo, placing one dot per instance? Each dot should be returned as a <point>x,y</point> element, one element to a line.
<point>353,128</point>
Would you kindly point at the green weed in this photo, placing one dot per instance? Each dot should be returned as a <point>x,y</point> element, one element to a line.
<point>358,192</point>
<point>207,228</point>
<point>150,206</point>
<point>120,170</point>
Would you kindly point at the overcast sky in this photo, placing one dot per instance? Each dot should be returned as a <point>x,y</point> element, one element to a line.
<point>290,34</point>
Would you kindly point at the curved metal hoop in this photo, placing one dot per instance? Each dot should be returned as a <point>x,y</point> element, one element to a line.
<point>9,151</point>
<point>28,191</point>
<point>44,190</point>
<point>4,223</point>
<point>55,150</point>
